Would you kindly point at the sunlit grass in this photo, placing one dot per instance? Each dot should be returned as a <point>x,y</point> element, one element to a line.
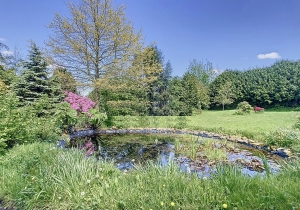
<point>254,125</point>
<point>38,176</point>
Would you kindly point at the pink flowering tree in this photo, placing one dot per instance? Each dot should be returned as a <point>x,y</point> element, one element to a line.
<point>85,109</point>
<point>79,103</point>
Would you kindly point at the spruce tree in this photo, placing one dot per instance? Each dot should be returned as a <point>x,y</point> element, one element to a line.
<point>33,82</point>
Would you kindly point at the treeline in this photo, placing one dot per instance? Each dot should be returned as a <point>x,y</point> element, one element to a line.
<point>200,88</point>
<point>98,49</point>
<point>277,85</point>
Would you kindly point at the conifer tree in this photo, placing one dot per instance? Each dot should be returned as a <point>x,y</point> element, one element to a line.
<point>33,82</point>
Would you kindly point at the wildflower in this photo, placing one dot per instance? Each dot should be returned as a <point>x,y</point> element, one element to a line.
<point>101,177</point>
<point>204,178</point>
<point>32,178</point>
<point>88,181</point>
<point>172,204</point>
<point>97,176</point>
<point>164,185</point>
<point>82,193</point>
<point>188,170</point>
<point>161,203</point>
<point>224,206</point>
<point>100,169</point>
<point>59,198</point>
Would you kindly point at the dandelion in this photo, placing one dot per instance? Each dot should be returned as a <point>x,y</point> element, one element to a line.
<point>101,177</point>
<point>82,193</point>
<point>161,203</point>
<point>164,185</point>
<point>172,204</point>
<point>224,206</point>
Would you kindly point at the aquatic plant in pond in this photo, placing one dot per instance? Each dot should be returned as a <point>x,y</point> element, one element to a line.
<point>192,154</point>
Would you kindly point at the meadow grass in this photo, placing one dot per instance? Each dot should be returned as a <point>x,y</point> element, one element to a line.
<point>254,125</point>
<point>38,176</point>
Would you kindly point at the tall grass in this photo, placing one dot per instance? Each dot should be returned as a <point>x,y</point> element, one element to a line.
<point>38,176</point>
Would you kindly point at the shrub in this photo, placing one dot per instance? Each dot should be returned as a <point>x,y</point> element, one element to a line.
<point>283,138</point>
<point>244,108</point>
<point>86,114</point>
<point>21,124</point>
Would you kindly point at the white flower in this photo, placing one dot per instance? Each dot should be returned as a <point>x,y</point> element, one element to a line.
<point>97,176</point>
<point>88,181</point>
<point>188,170</point>
<point>204,178</point>
<point>100,169</point>
<point>82,193</point>
<point>59,198</point>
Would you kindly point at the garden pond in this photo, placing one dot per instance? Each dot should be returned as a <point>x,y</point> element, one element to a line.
<point>193,154</point>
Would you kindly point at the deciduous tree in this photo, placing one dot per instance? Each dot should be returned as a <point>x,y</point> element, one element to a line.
<point>95,40</point>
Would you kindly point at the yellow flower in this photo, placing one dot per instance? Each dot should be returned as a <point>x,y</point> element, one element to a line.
<point>32,178</point>
<point>101,177</point>
<point>172,204</point>
<point>164,185</point>
<point>161,203</point>
<point>224,206</point>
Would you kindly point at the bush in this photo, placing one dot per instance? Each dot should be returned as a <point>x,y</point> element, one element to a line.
<point>21,124</point>
<point>283,138</point>
<point>244,108</point>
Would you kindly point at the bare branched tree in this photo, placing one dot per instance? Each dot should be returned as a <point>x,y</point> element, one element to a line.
<point>93,41</point>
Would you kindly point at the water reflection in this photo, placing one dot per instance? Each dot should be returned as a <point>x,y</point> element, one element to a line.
<point>127,154</point>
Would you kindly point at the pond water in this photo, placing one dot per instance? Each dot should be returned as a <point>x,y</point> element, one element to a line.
<point>192,154</point>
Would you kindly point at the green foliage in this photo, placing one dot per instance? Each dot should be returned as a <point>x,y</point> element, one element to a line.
<point>244,108</point>
<point>66,118</point>
<point>276,85</point>
<point>65,79</point>
<point>21,125</point>
<point>203,71</point>
<point>33,82</point>
<point>97,119</point>
<point>225,95</point>
<point>283,138</point>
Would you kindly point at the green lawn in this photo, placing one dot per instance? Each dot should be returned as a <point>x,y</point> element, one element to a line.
<point>254,125</point>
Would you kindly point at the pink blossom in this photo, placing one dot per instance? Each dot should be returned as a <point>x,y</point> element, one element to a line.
<point>79,103</point>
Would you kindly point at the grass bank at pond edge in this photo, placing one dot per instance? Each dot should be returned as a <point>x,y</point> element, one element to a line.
<point>269,127</point>
<point>38,176</point>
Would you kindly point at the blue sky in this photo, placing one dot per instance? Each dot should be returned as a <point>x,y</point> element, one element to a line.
<point>232,34</point>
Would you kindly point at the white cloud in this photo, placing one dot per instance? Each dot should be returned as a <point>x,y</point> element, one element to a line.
<point>272,55</point>
<point>2,40</point>
<point>7,52</point>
